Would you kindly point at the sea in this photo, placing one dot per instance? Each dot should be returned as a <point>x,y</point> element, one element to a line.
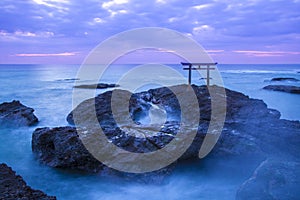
<point>49,90</point>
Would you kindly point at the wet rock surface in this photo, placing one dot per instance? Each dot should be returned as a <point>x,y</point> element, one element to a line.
<point>273,179</point>
<point>247,122</point>
<point>285,79</point>
<point>250,129</point>
<point>61,148</point>
<point>13,187</point>
<point>15,114</point>
<point>283,88</point>
<point>97,86</point>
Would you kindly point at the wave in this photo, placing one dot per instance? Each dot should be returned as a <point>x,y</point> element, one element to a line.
<point>262,71</point>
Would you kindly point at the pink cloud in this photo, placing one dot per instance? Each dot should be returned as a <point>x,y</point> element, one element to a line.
<point>267,53</point>
<point>45,54</point>
<point>214,51</point>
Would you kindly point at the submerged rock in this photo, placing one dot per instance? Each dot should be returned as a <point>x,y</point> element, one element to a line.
<point>97,86</point>
<point>13,186</point>
<point>285,79</point>
<point>16,114</point>
<point>283,88</point>
<point>272,180</point>
<point>69,79</point>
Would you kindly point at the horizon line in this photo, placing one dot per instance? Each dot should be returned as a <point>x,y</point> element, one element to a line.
<point>145,63</point>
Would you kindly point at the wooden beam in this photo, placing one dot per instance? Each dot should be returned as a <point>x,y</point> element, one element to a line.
<point>204,64</point>
<point>196,68</point>
<point>187,68</point>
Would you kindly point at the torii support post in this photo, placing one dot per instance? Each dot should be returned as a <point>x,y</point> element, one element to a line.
<point>190,75</point>
<point>198,67</point>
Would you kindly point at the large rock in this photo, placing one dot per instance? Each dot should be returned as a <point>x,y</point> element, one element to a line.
<point>250,127</point>
<point>13,186</point>
<point>283,88</point>
<point>251,130</point>
<point>272,180</point>
<point>16,114</point>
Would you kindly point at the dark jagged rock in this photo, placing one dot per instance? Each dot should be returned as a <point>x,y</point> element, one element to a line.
<point>246,120</point>
<point>61,148</point>
<point>283,88</point>
<point>13,186</point>
<point>16,114</point>
<point>272,180</point>
<point>285,79</point>
<point>97,86</point>
<point>250,129</point>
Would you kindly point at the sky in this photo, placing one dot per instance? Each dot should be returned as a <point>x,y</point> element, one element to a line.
<point>231,31</point>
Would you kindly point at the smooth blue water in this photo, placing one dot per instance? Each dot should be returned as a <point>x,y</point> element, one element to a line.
<point>43,88</point>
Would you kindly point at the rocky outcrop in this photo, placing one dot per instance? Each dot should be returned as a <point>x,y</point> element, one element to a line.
<point>283,88</point>
<point>13,186</point>
<point>97,86</point>
<point>16,114</point>
<point>285,79</point>
<point>272,180</point>
<point>246,120</point>
<point>61,148</point>
<point>250,129</point>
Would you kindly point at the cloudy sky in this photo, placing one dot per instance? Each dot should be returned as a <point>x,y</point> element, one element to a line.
<point>232,31</point>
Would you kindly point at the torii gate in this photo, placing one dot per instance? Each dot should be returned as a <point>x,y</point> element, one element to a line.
<point>206,66</point>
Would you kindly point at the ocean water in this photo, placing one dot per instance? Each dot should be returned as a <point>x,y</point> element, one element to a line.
<point>48,89</point>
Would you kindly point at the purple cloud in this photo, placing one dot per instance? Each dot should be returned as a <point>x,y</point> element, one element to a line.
<point>228,29</point>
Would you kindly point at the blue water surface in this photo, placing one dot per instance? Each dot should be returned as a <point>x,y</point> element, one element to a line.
<point>48,89</point>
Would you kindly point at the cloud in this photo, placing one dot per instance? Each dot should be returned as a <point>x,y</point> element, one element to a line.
<point>267,26</point>
<point>27,34</point>
<point>98,20</point>
<point>199,29</point>
<point>161,1</point>
<point>9,8</point>
<point>45,54</point>
<point>113,7</point>
<point>165,50</point>
<point>60,5</point>
<point>215,51</point>
<point>95,21</point>
<point>23,35</point>
<point>109,4</point>
<point>267,53</point>
<point>202,6</point>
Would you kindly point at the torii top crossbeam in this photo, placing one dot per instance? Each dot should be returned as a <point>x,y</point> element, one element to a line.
<point>198,66</point>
